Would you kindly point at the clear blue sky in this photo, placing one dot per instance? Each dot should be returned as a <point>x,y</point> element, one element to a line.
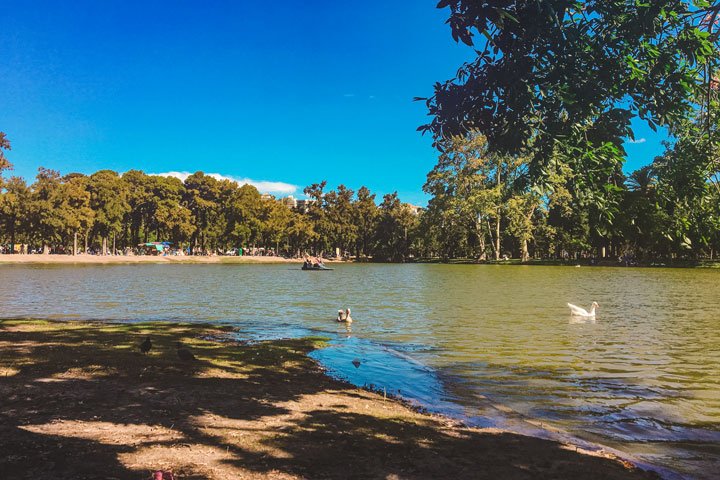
<point>282,91</point>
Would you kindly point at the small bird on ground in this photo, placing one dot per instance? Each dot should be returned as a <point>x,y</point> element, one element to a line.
<point>184,354</point>
<point>581,312</point>
<point>146,345</point>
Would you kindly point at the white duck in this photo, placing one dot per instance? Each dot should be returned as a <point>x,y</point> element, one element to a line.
<point>581,312</point>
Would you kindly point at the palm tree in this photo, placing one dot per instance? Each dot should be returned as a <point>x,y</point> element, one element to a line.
<point>642,180</point>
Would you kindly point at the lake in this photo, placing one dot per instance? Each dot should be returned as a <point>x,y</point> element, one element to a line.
<point>488,344</point>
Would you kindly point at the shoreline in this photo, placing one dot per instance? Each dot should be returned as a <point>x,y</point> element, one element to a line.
<point>135,259</point>
<point>249,409</point>
<point>83,259</point>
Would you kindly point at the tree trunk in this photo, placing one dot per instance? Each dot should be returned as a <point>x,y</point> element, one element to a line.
<point>497,226</point>
<point>104,246</point>
<point>12,236</point>
<point>481,239</point>
<point>86,242</point>
<point>75,244</point>
<point>493,243</point>
<point>113,250</point>
<point>524,250</point>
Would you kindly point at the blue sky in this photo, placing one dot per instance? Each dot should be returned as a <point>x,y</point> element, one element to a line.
<point>285,91</point>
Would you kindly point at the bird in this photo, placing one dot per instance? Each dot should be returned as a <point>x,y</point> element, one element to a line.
<point>184,354</point>
<point>146,345</point>
<point>356,362</point>
<point>344,316</point>
<point>581,312</point>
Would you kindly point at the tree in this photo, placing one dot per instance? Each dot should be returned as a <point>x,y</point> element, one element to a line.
<point>317,215</point>
<point>201,197</point>
<point>14,203</point>
<point>174,221</point>
<point>276,225</point>
<point>364,217</point>
<point>562,79</point>
<point>244,216</point>
<point>46,220</point>
<point>341,231</point>
<point>465,193</point>
<point>73,207</point>
<point>395,229</point>
<point>4,162</point>
<point>108,199</point>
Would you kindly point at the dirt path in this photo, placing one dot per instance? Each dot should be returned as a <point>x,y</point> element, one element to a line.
<point>78,401</point>
<point>109,259</point>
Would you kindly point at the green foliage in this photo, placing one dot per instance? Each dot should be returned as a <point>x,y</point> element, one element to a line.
<point>561,80</point>
<point>203,213</point>
<point>4,162</point>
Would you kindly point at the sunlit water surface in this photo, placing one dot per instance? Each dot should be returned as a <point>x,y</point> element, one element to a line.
<point>471,341</point>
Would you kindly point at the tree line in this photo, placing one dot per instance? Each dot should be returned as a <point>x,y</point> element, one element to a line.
<point>108,212</point>
<point>482,206</point>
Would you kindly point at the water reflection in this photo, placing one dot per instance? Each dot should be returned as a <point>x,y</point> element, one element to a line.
<point>576,320</point>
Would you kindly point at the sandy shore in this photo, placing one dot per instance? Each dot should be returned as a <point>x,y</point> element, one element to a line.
<point>107,259</point>
<point>78,400</point>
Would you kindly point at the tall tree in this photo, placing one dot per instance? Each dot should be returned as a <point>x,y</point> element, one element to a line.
<point>395,229</point>
<point>341,230</point>
<point>562,79</point>
<point>201,197</point>
<point>14,203</point>
<point>365,217</point>
<point>108,199</point>
<point>4,162</point>
<point>45,216</point>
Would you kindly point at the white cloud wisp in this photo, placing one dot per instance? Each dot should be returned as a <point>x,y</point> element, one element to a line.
<point>263,186</point>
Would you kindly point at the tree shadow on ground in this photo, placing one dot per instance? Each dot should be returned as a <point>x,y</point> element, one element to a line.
<point>78,401</point>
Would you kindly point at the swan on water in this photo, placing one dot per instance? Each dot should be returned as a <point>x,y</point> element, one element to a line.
<point>344,316</point>
<point>581,312</point>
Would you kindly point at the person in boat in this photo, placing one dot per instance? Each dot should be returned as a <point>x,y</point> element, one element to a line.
<point>308,263</point>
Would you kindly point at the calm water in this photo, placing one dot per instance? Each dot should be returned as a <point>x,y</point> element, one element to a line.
<point>472,341</point>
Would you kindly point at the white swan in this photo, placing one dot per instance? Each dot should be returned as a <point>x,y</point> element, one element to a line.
<point>581,312</point>
<point>344,316</point>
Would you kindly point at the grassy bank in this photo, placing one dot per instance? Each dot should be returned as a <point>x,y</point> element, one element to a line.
<point>78,400</point>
